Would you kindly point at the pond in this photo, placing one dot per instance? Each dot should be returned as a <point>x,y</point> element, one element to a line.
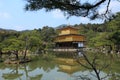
<point>48,69</point>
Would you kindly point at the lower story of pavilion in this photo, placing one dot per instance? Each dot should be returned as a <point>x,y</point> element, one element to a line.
<point>69,45</point>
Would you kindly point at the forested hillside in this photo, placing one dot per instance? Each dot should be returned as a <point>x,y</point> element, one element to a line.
<point>106,35</point>
<point>35,41</point>
<point>99,36</point>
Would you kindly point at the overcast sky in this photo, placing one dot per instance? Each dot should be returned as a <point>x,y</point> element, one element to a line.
<point>13,16</point>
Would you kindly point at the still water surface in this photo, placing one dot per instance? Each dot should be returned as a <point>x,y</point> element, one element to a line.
<point>40,69</point>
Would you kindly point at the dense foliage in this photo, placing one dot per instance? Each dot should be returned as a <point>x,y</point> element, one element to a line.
<point>106,35</point>
<point>23,42</point>
<point>100,36</point>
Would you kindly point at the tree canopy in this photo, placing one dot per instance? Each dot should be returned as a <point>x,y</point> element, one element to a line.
<point>103,35</point>
<point>38,40</point>
<point>72,7</point>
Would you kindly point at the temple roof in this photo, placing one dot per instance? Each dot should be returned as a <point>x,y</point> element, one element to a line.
<point>68,27</point>
<point>70,35</point>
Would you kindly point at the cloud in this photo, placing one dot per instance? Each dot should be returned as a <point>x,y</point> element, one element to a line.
<point>4,15</point>
<point>18,28</point>
<point>84,19</point>
<point>114,7</point>
<point>57,14</point>
<point>21,28</point>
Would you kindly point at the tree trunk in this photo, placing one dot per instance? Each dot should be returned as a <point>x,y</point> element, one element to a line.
<point>26,47</point>
<point>25,53</point>
<point>16,54</point>
<point>0,54</point>
<point>92,66</point>
<point>96,72</point>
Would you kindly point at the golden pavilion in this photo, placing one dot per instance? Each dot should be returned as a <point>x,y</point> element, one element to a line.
<point>69,38</point>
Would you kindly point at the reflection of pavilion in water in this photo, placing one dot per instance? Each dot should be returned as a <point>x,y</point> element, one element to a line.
<point>68,65</point>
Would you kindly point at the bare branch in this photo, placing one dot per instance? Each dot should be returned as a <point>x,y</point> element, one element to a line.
<point>103,67</point>
<point>82,77</point>
<point>83,65</point>
<point>93,75</point>
<point>107,6</point>
<point>105,76</point>
<point>118,0</point>
<point>94,60</point>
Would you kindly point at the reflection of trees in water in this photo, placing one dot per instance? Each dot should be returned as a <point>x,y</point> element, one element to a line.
<point>2,66</point>
<point>37,77</point>
<point>29,71</point>
<point>24,70</point>
<point>14,74</point>
<point>115,76</point>
<point>89,75</point>
<point>46,65</point>
<point>38,63</point>
<point>15,70</point>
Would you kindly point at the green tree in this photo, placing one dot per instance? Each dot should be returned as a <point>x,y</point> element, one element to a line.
<point>31,41</point>
<point>104,35</point>
<point>12,45</point>
<point>48,34</point>
<point>114,29</point>
<point>0,52</point>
